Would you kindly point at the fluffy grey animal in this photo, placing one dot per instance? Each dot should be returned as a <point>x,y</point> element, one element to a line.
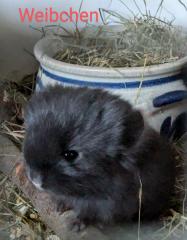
<point>94,153</point>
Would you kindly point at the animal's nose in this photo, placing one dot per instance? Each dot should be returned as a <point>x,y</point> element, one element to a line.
<point>35,178</point>
<point>37,182</point>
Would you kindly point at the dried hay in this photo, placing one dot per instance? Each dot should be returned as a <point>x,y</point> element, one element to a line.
<point>126,45</point>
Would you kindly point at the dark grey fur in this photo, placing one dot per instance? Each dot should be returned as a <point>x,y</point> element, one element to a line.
<point>117,152</point>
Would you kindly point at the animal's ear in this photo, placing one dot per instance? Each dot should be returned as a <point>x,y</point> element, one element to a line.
<point>133,128</point>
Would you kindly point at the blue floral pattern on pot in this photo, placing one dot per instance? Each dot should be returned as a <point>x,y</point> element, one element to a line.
<point>172,129</point>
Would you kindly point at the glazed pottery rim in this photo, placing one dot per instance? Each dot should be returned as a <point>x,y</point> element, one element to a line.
<point>43,46</point>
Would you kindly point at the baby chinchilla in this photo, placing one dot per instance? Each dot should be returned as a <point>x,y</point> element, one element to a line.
<point>95,154</point>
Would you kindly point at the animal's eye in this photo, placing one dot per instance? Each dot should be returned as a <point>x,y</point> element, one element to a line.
<point>70,155</point>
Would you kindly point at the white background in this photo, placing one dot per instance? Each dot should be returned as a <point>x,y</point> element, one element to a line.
<point>16,36</point>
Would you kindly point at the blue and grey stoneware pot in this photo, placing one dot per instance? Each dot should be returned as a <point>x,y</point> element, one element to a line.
<point>156,90</point>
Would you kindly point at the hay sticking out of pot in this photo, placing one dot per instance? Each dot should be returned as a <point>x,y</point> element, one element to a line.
<point>125,45</point>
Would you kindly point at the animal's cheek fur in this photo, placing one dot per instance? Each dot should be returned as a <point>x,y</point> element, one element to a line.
<point>52,185</point>
<point>64,168</point>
